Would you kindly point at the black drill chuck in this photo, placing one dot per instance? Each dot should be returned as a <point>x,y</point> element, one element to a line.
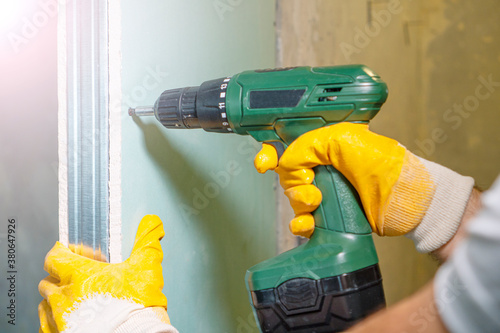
<point>176,108</point>
<point>192,107</point>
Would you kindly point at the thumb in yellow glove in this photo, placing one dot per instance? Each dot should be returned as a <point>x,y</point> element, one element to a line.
<point>84,295</point>
<point>397,189</point>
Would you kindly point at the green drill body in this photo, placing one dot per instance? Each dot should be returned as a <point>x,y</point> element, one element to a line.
<point>297,290</point>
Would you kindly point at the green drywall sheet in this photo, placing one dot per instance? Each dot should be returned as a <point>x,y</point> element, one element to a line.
<point>218,212</point>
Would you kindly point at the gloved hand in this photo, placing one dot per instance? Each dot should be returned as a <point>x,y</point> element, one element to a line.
<point>84,295</point>
<point>399,191</point>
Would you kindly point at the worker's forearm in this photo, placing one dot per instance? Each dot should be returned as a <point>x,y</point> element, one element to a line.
<point>417,313</point>
<point>473,206</point>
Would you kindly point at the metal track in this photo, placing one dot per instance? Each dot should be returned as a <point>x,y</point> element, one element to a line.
<point>88,123</point>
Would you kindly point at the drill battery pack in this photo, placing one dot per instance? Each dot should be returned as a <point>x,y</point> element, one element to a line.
<point>330,304</point>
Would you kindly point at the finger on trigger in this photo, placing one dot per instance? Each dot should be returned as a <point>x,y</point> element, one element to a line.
<point>302,225</point>
<point>304,198</point>
<point>290,178</point>
<point>266,158</point>
<point>308,150</point>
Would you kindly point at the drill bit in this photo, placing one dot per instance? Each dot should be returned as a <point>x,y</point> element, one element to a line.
<point>141,111</point>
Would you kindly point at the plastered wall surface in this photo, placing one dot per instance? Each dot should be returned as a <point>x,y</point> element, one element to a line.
<point>28,158</point>
<point>440,60</point>
<point>218,211</point>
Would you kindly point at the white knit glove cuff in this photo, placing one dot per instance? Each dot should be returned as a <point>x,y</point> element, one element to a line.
<point>146,320</point>
<point>103,313</point>
<point>445,212</point>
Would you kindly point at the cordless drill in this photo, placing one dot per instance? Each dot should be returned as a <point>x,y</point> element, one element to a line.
<point>333,280</point>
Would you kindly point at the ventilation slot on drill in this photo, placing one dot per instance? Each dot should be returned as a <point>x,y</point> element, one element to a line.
<point>329,98</point>
<point>329,90</point>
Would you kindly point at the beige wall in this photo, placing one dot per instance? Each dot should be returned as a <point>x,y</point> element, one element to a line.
<point>435,57</point>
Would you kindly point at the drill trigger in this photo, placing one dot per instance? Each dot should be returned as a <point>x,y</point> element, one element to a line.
<point>279,146</point>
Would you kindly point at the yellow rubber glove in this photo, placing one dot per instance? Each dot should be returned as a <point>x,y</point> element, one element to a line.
<point>396,188</point>
<point>84,295</point>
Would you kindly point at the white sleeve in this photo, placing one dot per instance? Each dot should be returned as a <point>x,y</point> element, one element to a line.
<point>467,286</point>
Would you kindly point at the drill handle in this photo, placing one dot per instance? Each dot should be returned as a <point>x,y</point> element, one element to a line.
<point>341,209</point>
